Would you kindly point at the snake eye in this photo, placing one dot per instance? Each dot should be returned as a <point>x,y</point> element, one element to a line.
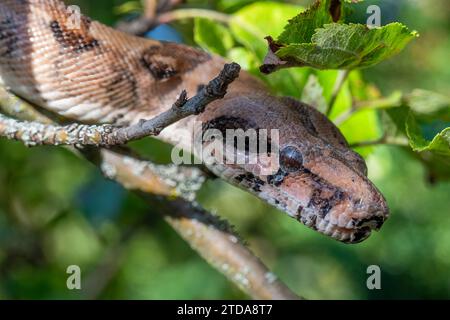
<point>291,159</point>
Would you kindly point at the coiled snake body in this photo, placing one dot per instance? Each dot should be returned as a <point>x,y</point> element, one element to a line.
<point>95,74</point>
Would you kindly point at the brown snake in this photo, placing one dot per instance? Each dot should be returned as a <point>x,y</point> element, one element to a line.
<point>94,74</point>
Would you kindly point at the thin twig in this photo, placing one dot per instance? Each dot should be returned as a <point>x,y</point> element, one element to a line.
<point>33,134</point>
<point>148,20</point>
<point>394,100</point>
<point>191,14</point>
<point>345,116</point>
<point>385,140</point>
<point>150,9</point>
<point>141,25</point>
<point>341,78</point>
<point>216,89</point>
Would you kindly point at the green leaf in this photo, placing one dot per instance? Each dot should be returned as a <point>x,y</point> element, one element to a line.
<point>440,144</point>
<point>253,23</point>
<point>341,46</point>
<point>249,29</point>
<point>232,5</point>
<point>433,152</point>
<point>427,123</point>
<point>426,131</point>
<point>394,120</point>
<point>244,57</point>
<point>302,28</point>
<point>362,126</point>
<point>425,102</point>
<point>129,7</point>
<point>317,38</point>
<point>212,36</point>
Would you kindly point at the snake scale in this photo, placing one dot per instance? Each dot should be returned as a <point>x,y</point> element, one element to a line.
<point>95,74</point>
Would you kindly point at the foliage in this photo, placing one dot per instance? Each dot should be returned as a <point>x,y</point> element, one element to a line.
<point>318,37</point>
<point>342,46</point>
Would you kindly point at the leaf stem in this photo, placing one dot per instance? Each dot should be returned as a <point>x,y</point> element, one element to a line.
<point>394,141</point>
<point>341,78</point>
<point>382,103</point>
<point>193,13</point>
<point>143,24</point>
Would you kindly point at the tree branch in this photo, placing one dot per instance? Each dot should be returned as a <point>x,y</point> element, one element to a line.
<point>32,133</point>
<point>212,238</point>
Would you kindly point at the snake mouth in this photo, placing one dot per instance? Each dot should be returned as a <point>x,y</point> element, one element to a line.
<point>349,227</point>
<point>342,219</point>
<point>351,231</point>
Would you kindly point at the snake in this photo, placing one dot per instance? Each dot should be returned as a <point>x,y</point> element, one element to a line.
<point>92,73</point>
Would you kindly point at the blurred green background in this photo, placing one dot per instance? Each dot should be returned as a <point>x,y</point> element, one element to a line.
<point>57,210</point>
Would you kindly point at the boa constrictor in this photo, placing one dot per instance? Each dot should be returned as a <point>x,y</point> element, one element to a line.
<point>95,74</point>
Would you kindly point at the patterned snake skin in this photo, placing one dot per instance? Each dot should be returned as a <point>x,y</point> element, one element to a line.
<point>91,73</point>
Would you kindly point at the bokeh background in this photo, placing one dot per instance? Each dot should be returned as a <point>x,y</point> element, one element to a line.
<point>57,210</point>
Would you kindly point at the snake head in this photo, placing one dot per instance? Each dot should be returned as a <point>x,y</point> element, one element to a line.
<point>316,178</point>
<point>328,190</point>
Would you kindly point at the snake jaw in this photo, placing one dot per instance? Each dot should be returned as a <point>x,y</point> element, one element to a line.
<point>346,235</point>
<point>348,223</point>
<point>354,231</point>
<point>350,227</point>
<point>346,208</point>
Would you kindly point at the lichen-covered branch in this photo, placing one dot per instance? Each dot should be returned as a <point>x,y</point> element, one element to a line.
<point>165,180</point>
<point>35,133</point>
<point>211,237</point>
<point>32,133</point>
<point>223,250</point>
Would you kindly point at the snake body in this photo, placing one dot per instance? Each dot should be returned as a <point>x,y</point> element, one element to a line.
<point>91,73</point>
